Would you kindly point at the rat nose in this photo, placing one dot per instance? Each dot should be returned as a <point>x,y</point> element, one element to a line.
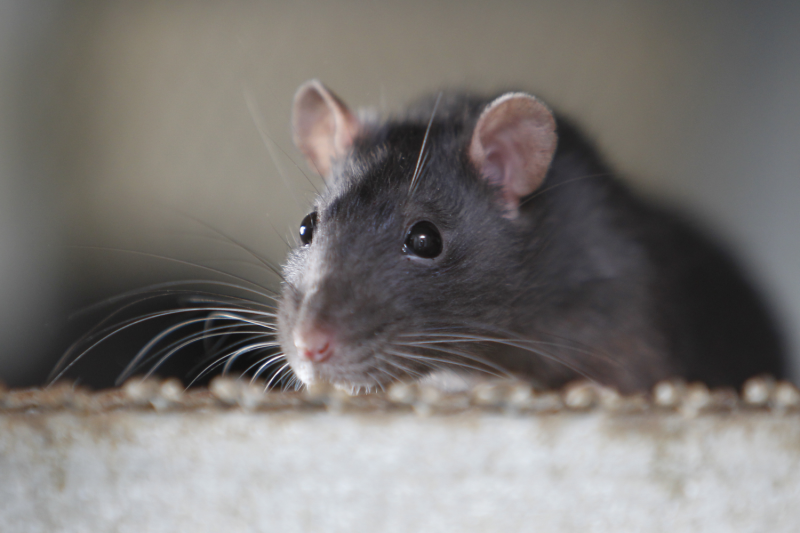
<point>314,344</point>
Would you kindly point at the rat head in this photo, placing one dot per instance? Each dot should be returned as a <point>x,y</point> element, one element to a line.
<point>404,255</point>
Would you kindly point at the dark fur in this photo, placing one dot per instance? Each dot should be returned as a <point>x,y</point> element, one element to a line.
<point>608,286</point>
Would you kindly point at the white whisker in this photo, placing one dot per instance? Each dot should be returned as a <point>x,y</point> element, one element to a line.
<point>269,362</point>
<point>218,313</point>
<point>274,376</point>
<point>221,331</point>
<point>452,351</point>
<point>414,181</point>
<point>430,360</point>
<point>241,351</point>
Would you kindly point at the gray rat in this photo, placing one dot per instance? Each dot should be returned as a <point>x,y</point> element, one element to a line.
<point>475,234</point>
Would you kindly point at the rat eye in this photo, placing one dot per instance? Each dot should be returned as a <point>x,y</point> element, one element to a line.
<point>423,240</point>
<point>307,227</point>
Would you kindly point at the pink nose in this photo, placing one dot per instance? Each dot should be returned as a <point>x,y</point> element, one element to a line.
<point>314,344</point>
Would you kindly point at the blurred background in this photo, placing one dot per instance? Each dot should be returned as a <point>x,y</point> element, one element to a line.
<point>137,125</point>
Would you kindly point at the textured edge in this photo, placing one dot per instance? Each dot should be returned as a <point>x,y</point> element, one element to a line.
<point>690,399</point>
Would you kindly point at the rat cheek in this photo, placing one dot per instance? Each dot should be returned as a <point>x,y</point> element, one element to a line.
<point>316,266</point>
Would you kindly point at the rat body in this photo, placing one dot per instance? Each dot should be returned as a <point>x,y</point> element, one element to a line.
<point>478,234</point>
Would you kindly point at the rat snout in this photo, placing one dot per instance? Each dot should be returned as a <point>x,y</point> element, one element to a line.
<point>315,343</point>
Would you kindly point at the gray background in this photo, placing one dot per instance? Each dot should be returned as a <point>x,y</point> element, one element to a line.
<point>116,117</point>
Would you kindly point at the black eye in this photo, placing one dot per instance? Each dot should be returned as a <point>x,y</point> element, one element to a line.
<point>307,227</point>
<point>423,240</point>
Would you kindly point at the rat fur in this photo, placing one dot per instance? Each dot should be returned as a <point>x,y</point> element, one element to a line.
<point>562,274</point>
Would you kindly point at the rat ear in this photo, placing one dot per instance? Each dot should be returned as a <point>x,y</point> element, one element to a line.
<point>513,144</point>
<point>322,126</point>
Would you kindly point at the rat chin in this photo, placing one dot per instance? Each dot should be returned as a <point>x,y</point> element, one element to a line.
<point>304,370</point>
<point>314,373</point>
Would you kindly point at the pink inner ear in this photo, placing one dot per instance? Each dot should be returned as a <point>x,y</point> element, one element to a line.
<point>513,144</point>
<point>323,126</point>
<point>499,163</point>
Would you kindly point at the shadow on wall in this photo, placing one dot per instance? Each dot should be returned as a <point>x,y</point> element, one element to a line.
<point>120,120</point>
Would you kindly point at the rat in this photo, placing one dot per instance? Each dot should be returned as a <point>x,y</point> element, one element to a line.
<point>474,234</point>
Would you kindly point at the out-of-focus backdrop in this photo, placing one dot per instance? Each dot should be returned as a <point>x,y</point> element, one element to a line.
<point>125,124</point>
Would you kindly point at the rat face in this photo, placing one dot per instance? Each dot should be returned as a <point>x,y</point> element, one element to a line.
<point>397,267</point>
<point>364,265</point>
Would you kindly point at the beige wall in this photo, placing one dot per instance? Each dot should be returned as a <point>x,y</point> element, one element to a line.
<point>152,109</point>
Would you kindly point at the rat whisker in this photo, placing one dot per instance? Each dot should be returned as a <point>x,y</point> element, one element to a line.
<point>216,362</point>
<point>231,357</point>
<point>268,143</point>
<point>376,383</point>
<point>258,361</point>
<point>235,315</point>
<point>171,260</point>
<point>425,364</point>
<point>237,324</point>
<point>269,362</point>
<point>414,182</point>
<point>511,336</point>
<point>102,335</point>
<point>213,365</point>
<point>520,344</point>
<point>280,236</point>
<point>219,331</point>
<point>142,353</point>
<point>282,369</point>
<point>93,332</point>
<point>294,383</point>
<point>266,134</point>
<point>99,330</point>
<point>215,316</point>
<point>233,261</point>
<point>428,359</point>
<point>241,351</point>
<point>217,359</point>
<point>398,366</point>
<point>452,351</point>
<point>165,289</point>
<point>260,258</point>
<point>225,240</point>
<point>591,353</point>
<point>385,371</point>
<point>565,182</point>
